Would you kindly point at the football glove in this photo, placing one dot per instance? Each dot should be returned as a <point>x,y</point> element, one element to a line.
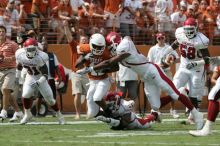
<point>41,80</point>
<point>191,65</point>
<point>85,70</point>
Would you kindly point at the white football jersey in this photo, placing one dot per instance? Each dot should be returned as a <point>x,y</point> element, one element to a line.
<point>136,61</point>
<point>189,48</point>
<point>125,107</point>
<point>32,65</point>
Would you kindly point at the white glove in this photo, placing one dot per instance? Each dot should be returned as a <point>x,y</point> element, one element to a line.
<point>85,70</point>
<point>88,56</point>
<point>191,65</point>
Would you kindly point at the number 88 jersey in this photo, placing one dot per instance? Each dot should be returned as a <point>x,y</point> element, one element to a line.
<point>189,47</point>
<point>32,65</point>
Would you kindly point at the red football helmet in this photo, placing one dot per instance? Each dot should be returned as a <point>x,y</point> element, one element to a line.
<point>190,27</point>
<point>113,99</point>
<point>113,39</point>
<point>30,46</point>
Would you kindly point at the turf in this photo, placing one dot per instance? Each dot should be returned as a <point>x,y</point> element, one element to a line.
<point>92,133</point>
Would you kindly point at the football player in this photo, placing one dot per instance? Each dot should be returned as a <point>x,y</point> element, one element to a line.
<point>123,116</point>
<point>156,55</point>
<point>34,60</point>
<point>213,98</point>
<point>193,46</point>
<point>99,81</point>
<point>151,74</point>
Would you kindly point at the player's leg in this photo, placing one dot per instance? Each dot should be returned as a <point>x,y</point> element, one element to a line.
<point>167,85</point>
<point>102,88</point>
<point>213,110</point>
<point>197,87</point>
<point>92,107</point>
<point>47,93</point>
<point>27,100</point>
<point>153,92</point>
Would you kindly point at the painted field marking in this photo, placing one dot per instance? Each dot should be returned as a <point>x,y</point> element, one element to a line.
<point>85,122</point>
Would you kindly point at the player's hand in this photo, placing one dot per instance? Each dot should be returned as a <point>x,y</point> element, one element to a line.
<point>191,65</point>
<point>34,84</point>
<point>85,70</point>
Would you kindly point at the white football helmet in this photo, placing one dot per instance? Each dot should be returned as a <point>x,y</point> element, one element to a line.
<point>30,46</point>
<point>97,44</point>
<point>113,39</point>
<point>190,27</point>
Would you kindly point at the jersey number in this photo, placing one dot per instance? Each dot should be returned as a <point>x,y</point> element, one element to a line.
<point>189,53</point>
<point>32,70</point>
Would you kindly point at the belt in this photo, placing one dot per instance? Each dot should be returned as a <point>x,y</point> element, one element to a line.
<point>4,69</point>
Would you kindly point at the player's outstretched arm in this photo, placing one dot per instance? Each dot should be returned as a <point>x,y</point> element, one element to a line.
<point>114,60</point>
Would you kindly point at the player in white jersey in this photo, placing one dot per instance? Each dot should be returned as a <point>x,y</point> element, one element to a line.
<point>151,74</point>
<point>123,116</point>
<point>156,55</point>
<point>34,61</point>
<point>193,46</point>
<point>213,104</point>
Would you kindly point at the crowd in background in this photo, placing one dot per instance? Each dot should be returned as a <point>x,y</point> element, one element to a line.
<point>140,19</point>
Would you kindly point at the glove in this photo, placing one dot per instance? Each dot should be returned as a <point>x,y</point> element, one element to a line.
<point>191,65</point>
<point>88,56</point>
<point>85,70</point>
<point>39,81</point>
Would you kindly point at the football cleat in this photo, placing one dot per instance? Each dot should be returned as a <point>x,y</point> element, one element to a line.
<point>16,116</point>
<point>3,114</point>
<point>198,119</point>
<point>157,116</point>
<point>200,132</point>
<point>60,118</point>
<point>27,117</point>
<point>174,114</point>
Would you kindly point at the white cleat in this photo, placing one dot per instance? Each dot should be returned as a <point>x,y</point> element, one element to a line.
<point>60,118</point>
<point>3,115</point>
<point>16,116</point>
<point>174,114</point>
<point>199,132</point>
<point>27,117</point>
<point>199,121</point>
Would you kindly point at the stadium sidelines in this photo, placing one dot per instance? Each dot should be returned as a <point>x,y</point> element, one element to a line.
<point>84,122</point>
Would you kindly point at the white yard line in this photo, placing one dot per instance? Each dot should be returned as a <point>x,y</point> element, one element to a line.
<point>116,143</point>
<point>84,122</point>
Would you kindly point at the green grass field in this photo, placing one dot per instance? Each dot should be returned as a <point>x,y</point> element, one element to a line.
<point>46,132</point>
